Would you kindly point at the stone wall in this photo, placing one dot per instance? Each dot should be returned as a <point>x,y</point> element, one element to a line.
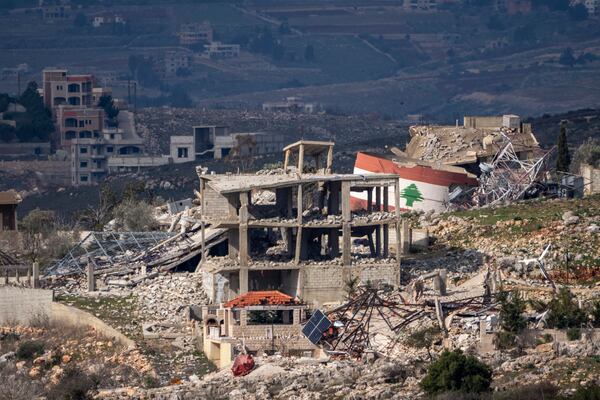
<point>216,205</point>
<point>265,337</point>
<point>21,304</point>
<point>323,284</point>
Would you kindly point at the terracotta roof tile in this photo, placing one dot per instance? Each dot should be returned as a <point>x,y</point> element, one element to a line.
<point>259,298</point>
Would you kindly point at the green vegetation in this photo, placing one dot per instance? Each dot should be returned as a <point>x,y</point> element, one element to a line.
<point>41,237</point>
<point>564,311</point>
<point>563,160</point>
<point>512,308</point>
<point>74,385</point>
<point>424,338</point>
<point>30,350</point>
<point>573,333</point>
<point>108,105</point>
<point>588,153</point>
<point>33,125</point>
<point>456,372</point>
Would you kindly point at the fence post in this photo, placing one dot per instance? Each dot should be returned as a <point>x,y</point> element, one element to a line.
<point>36,275</point>
<point>91,279</point>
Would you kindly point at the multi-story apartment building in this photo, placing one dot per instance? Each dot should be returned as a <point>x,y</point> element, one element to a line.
<point>90,156</point>
<point>60,88</point>
<point>55,10</point>
<point>175,61</point>
<point>78,123</point>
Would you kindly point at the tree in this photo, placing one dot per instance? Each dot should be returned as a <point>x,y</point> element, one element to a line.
<point>94,218</point>
<point>578,12</point>
<point>107,103</point>
<point>567,58</point>
<point>563,159</point>
<point>4,102</point>
<point>424,338</point>
<point>511,312</point>
<point>309,53</point>
<point>456,372</point>
<point>564,312</point>
<point>37,124</point>
<point>134,216</point>
<point>36,227</point>
<point>7,133</point>
<point>411,193</point>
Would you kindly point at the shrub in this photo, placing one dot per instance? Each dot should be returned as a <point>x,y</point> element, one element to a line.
<point>505,340</point>
<point>456,372</point>
<point>548,338</point>
<point>591,392</point>
<point>39,319</point>
<point>573,333</point>
<point>537,391</point>
<point>511,312</point>
<point>596,314</point>
<point>423,338</point>
<point>564,312</point>
<point>150,382</point>
<point>29,350</point>
<point>74,385</point>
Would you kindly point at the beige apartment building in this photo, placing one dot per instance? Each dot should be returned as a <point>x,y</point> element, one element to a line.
<point>61,88</point>
<point>78,123</point>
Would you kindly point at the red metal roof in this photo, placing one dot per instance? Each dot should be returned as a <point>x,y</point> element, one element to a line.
<point>261,298</point>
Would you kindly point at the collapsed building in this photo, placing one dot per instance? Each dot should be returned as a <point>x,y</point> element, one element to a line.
<point>485,161</point>
<point>293,231</point>
<point>478,140</point>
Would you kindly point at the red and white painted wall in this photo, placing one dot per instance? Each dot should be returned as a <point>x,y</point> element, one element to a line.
<point>421,187</point>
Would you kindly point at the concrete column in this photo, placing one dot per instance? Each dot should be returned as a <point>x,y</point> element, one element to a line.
<point>91,278</point>
<point>144,270</point>
<point>36,275</point>
<point>243,280</point>
<point>346,230</point>
<point>17,277</point>
<point>405,237</point>
<point>243,317</point>
<point>29,277</point>
<point>6,277</point>
<point>296,317</point>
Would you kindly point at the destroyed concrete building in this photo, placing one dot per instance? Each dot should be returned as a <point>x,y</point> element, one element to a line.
<point>424,185</point>
<point>268,321</point>
<point>284,229</point>
<point>479,139</point>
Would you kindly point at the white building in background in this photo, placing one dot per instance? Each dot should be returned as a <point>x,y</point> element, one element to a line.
<point>593,6</point>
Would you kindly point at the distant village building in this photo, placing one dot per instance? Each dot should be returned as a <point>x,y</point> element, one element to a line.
<point>513,7</point>
<point>218,142</point>
<point>423,5</point>
<point>108,19</point>
<point>195,33</point>
<point>290,104</point>
<point>221,50</point>
<point>9,201</point>
<point>55,10</point>
<point>175,61</point>
<point>14,72</point>
<point>592,6</point>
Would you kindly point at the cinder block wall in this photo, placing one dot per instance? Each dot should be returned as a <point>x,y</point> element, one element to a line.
<point>21,304</point>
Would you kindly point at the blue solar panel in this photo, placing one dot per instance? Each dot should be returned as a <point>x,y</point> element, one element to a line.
<point>316,325</point>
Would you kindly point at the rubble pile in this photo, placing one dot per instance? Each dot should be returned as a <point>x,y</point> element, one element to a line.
<point>166,298</point>
<point>513,233</point>
<point>279,377</point>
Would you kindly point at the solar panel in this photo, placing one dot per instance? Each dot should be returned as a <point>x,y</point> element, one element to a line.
<point>316,326</point>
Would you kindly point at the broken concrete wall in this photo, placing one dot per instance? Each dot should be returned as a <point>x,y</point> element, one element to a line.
<point>215,205</point>
<point>591,179</point>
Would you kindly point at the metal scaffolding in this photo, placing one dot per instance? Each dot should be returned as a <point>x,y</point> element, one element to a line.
<point>105,250</point>
<point>508,178</point>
